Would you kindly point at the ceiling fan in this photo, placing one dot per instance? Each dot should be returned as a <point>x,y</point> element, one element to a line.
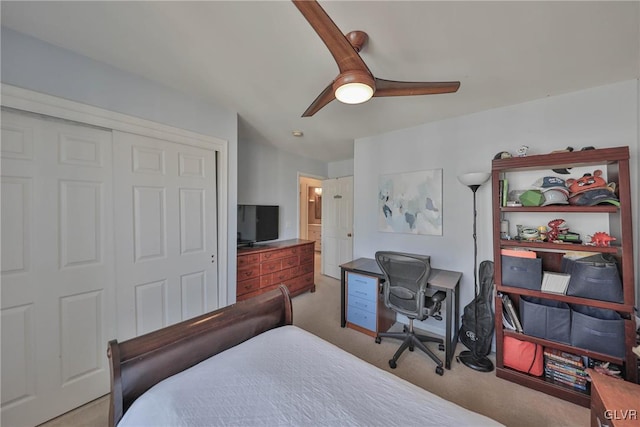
<point>355,83</point>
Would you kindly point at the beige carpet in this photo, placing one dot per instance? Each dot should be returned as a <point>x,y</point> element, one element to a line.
<point>504,401</point>
<point>319,313</point>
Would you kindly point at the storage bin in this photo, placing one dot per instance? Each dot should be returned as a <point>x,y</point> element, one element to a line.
<point>521,272</point>
<point>546,319</point>
<point>594,277</point>
<point>597,329</point>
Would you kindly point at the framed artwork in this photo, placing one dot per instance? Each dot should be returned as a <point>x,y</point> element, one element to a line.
<point>411,202</point>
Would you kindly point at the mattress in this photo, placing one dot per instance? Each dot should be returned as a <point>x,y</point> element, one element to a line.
<point>289,377</point>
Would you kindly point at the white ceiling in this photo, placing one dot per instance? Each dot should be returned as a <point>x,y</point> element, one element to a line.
<point>263,60</point>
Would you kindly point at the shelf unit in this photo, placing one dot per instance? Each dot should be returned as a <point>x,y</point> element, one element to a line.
<point>615,163</point>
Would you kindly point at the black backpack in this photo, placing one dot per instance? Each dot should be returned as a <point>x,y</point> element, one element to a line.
<point>485,320</point>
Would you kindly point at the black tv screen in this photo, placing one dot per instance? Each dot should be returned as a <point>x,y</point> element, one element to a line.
<point>257,223</point>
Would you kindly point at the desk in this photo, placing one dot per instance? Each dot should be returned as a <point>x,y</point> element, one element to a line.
<point>444,280</point>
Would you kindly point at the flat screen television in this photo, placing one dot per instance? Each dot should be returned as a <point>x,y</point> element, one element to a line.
<point>257,223</point>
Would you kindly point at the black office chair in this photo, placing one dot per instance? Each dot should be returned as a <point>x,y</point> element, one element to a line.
<point>404,289</point>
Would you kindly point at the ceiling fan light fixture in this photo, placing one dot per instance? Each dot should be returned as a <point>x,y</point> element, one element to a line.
<point>354,93</point>
<point>353,87</point>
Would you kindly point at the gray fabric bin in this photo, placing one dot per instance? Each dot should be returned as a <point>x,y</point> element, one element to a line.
<point>597,329</point>
<point>546,319</point>
<point>522,272</point>
<point>594,277</point>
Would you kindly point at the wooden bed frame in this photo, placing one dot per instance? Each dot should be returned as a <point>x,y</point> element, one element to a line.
<point>139,363</point>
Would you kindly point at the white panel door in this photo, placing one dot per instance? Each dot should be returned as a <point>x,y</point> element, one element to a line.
<point>58,300</point>
<point>165,217</point>
<point>337,224</point>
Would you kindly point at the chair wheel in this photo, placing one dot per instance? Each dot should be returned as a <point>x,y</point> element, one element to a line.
<point>441,347</point>
<point>378,340</point>
<point>410,348</point>
<point>392,364</point>
<point>439,370</point>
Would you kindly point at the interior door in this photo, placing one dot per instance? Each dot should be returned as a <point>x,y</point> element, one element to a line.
<point>337,224</point>
<point>166,252</point>
<point>58,300</point>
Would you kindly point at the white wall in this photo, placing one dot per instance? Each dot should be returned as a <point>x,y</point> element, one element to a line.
<point>267,175</point>
<point>602,117</point>
<point>340,168</point>
<point>36,65</point>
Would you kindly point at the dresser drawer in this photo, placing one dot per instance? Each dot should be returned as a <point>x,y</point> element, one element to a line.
<point>282,275</point>
<point>270,266</point>
<point>300,282</point>
<point>291,261</point>
<point>364,287</point>
<point>248,272</point>
<point>247,286</point>
<point>246,260</point>
<point>306,268</point>
<point>363,318</point>
<point>280,253</point>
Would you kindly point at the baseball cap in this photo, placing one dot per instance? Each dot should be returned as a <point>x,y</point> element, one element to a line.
<point>551,183</point>
<point>531,198</point>
<point>594,197</point>
<point>555,197</point>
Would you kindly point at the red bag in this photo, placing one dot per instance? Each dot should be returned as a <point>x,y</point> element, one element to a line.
<point>523,356</point>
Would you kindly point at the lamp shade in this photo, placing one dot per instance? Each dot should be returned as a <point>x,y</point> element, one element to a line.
<point>474,178</point>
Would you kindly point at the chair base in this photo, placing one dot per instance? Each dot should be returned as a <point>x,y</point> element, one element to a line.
<point>412,340</point>
<point>478,363</point>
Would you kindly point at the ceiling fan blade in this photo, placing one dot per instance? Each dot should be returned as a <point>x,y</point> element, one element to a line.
<point>323,99</point>
<point>344,54</point>
<point>394,88</point>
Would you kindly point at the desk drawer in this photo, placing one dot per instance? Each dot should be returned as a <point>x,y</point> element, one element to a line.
<point>362,304</point>
<point>360,286</point>
<point>363,318</point>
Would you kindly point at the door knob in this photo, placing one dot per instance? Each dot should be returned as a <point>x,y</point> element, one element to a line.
<point>348,234</point>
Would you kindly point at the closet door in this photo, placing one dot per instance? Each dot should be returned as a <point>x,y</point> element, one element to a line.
<point>58,287</point>
<point>165,217</point>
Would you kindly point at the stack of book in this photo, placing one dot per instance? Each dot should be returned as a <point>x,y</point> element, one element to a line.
<point>565,369</point>
<point>503,188</point>
<point>510,319</point>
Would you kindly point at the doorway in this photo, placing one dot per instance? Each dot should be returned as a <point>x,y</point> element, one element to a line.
<point>311,211</point>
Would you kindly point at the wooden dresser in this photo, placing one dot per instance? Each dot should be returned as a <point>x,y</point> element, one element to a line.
<point>263,267</point>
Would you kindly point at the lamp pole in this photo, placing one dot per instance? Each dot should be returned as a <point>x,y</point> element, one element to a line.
<point>471,358</point>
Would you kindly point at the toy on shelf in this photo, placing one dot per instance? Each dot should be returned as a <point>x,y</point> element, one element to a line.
<point>522,151</point>
<point>556,226</point>
<point>601,239</point>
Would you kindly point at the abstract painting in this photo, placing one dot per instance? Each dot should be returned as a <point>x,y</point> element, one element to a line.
<point>411,202</point>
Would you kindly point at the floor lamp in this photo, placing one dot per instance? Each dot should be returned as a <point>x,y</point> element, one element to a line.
<point>471,358</point>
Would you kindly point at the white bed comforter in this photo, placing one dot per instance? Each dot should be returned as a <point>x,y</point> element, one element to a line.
<point>289,377</point>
